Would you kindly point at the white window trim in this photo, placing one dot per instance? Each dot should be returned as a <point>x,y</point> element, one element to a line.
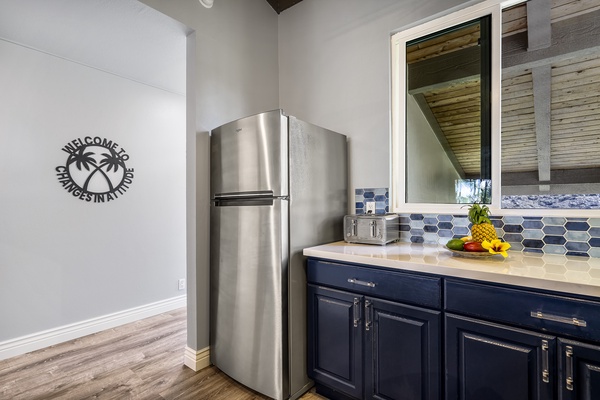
<point>398,104</point>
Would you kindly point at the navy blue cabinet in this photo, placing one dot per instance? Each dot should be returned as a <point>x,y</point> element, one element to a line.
<point>367,347</point>
<point>492,361</point>
<point>496,348</point>
<point>579,370</point>
<point>402,351</point>
<point>335,339</point>
<point>379,333</point>
<point>485,360</point>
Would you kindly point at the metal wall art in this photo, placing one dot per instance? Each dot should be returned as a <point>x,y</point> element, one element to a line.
<point>95,170</point>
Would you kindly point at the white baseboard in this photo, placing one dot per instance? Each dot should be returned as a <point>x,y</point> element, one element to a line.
<point>39,340</point>
<point>196,360</point>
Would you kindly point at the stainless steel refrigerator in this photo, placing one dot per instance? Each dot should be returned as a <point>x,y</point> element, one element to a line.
<point>278,185</point>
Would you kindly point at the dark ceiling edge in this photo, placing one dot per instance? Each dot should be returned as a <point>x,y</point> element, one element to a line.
<point>282,5</point>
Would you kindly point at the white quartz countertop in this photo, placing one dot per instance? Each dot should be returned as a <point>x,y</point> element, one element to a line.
<point>568,274</point>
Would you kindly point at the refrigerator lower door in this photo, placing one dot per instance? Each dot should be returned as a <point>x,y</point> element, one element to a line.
<point>249,293</point>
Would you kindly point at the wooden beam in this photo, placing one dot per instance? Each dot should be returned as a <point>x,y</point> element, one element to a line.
<point>574,37</point>
<point>539,25</point>
<point>542,93</point>
<point>439,133</point>
<point>432,73</point>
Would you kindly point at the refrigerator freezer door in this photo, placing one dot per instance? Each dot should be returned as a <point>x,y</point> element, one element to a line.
<point>249,293</point>
<point>250,155</point>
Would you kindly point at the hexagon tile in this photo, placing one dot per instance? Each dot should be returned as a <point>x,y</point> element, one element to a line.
<point>548,235</point>
<point>379,196</point>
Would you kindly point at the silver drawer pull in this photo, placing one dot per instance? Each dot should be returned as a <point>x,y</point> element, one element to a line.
<point>545,368</point>
<point>362,283</point>
<point>368,317</point>
<point>569,378</point>
<point>356,307</point>
<point>557,318</point>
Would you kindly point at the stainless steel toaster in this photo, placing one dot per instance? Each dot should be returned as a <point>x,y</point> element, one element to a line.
<point>371,228</point>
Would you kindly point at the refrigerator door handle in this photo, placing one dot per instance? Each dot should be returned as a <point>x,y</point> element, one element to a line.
<point>243,195</point>
<point>265,198</point>
<point>236,202</point>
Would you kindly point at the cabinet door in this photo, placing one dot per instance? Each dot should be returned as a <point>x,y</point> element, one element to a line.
<point>579,371</point>
<point>491,361</point>
<point>335,339</point>
<point>402,351</point>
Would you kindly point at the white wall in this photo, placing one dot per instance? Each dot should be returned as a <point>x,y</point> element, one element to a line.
<point>63,260</point>
<point>123,37</point>
<point>334,60</point>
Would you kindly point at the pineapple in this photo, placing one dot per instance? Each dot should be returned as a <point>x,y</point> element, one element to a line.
<point>482,228</point>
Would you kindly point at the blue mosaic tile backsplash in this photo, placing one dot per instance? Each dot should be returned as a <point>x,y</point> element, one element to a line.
<point>551,235</point>
<point>379,196</point>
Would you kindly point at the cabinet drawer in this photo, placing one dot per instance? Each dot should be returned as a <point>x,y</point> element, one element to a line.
<point>396,286</point>
<point>551,313</point>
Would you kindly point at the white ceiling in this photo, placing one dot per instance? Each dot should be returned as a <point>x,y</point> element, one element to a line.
<point>123,37</point>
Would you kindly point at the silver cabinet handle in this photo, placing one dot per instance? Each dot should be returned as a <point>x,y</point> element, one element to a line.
<point>545,369</point>
<point>359,282</point>
<point>367,315</point>
<point>356,311</point>
<point>569,378</point>
<point>558,318</point>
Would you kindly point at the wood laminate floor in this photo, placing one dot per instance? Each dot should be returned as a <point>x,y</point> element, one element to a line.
<point>140,360</point>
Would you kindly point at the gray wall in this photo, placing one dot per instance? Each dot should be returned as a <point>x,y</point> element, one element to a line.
<point>324,61</point>
<point>334,71</point>
<point>236,57</point>
<point>235,74</point>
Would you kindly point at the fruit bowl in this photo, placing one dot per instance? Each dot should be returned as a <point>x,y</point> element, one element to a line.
<point>471,254</point>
